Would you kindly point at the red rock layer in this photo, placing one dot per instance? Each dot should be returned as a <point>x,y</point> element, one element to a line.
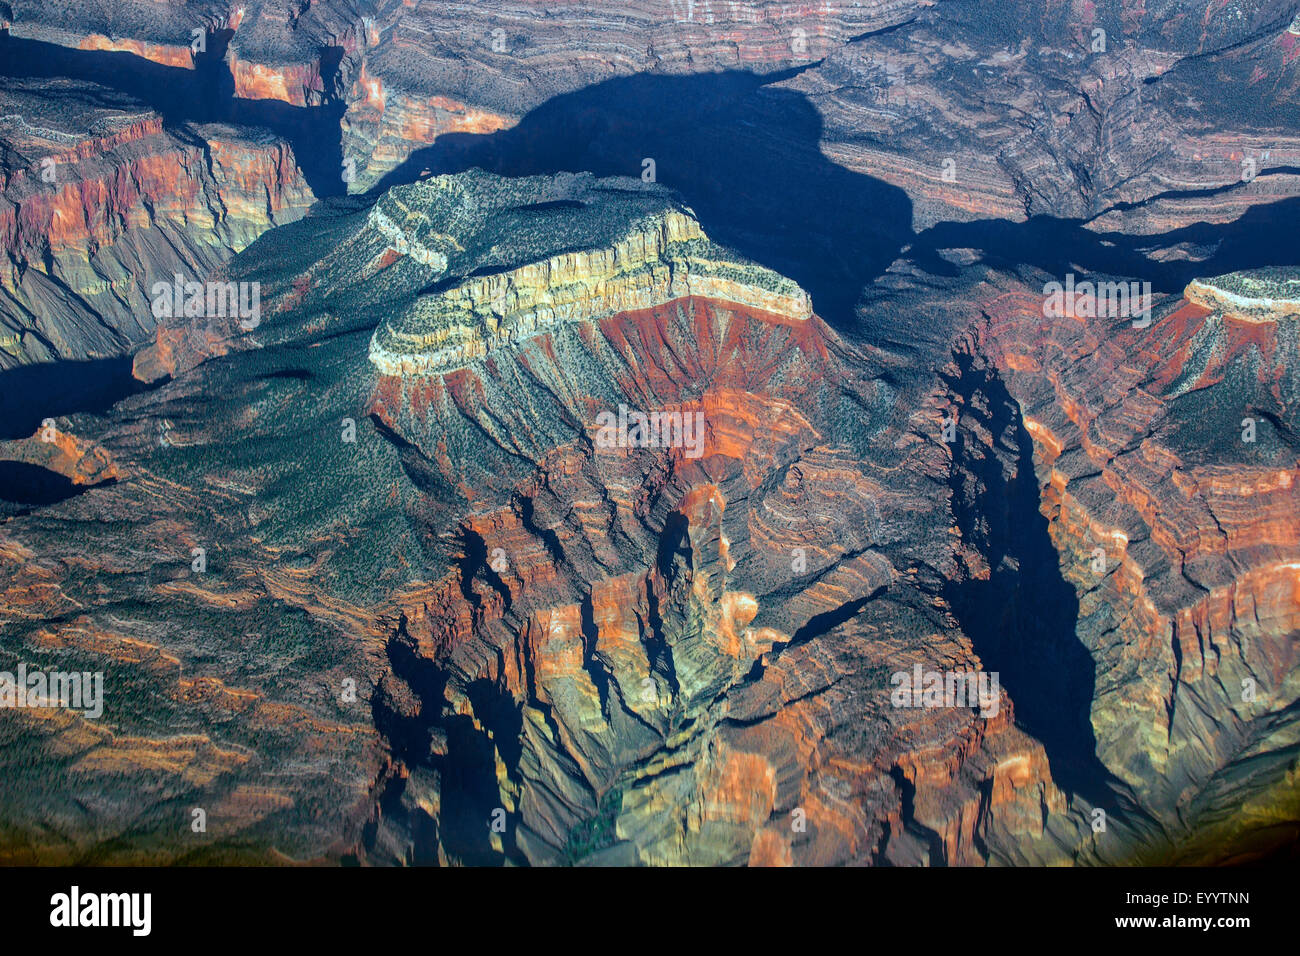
<point>1180,537</point>
<point>646,621</point>
<point>97,216</point>
<point>1033,114</point>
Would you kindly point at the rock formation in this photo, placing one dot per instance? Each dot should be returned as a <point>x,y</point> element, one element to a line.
<point>476,633</point>
<point>1169,485</point>
<point>658,257</point>
<point>657,394</point>
<point>1264,296</point>
<point>100,201</point>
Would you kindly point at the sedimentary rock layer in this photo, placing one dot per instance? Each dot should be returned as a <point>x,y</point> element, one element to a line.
<point>1271,295</point>
<point>661,257</point>
<point>1057,108</point>
<point>1169,472</point>
<point>100,202</point>
<point>441,620</point>
<point>431,599</point>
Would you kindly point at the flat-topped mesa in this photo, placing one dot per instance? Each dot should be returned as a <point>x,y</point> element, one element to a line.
<point>661,257</point>
<point>1258,295</point>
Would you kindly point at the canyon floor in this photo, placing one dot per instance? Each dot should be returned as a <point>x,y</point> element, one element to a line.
<point>651,433</point>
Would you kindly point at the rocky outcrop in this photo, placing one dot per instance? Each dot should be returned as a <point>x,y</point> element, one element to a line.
<point>101,202</point>
<point>559,648</point>
<point>540,528</point>
<point>1266,295</point>
<point>661,257</point>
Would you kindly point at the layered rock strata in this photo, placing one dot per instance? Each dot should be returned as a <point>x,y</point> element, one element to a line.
<point>1266,295</point>
<point>440,620</point>
<point>661,258</point>
<point>100,202</point>
<point>1169,470</point>
<point>1062,109</point>
<point>435,602</point>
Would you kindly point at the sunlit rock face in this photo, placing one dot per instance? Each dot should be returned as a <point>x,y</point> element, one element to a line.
<point>100,202</point>
<point>625,650</point>
<point>1264,295</point>
<point>659,256</point>
<point>639,583</point>
<point>1170,478</point>
<point>540,524</point>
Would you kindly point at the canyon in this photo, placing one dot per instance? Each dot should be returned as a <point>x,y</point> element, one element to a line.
<point>366,585</point>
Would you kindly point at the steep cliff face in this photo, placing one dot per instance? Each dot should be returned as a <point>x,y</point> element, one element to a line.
<point>1268,297</point>
<point>674,645</point>
<point>684,655</point>
<point>538,525</point>
<point>656,258</point>
<point>1169,462</point>
<point>101,201</point>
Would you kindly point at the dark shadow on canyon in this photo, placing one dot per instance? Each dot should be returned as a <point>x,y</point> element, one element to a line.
<point>744,155</point>
<point>1022,618</point>
<point>25,484</point>
<point>1261,236</point>
<point>31,393</point>
<point>411,715</point>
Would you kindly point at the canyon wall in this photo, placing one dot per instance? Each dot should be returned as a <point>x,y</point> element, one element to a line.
<point>1169,476</point>
<point>101,200</point>
<point>369,583</point>
<point>1059,108</point>
<point>441,619</point>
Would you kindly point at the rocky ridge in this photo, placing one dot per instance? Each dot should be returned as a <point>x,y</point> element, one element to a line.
<point>661,257</point>
<point>1093,112</point>
<point>1261,296</point>
<point>691,649</point>
<point>522,687</point>
<point>1169,486</point>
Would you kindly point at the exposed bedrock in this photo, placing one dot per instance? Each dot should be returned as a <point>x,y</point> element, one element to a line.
<point>100,202</point>
<point>1169,464</point>
<point>818,141</point>
<point>649,656</point>
<point>646,654</point>
<point>1080,110</point>
<point>659,257</point>
<point>575,634</point>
